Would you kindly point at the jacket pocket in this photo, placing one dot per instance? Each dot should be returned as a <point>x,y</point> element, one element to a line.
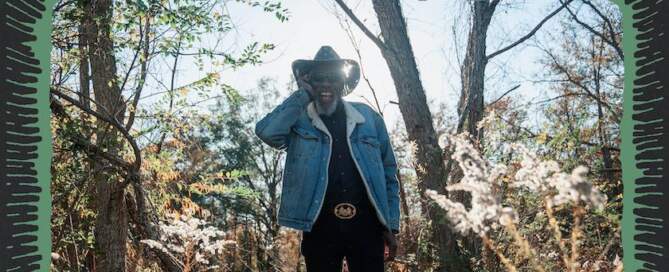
<point>370,146</point>
<point>304,133</point>
<point>370,140</point>
<point>305,142</point>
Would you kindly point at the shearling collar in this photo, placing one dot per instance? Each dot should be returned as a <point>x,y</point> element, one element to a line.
<point>353,117</point>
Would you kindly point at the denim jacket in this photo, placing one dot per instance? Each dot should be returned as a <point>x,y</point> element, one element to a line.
<point>295,127</point>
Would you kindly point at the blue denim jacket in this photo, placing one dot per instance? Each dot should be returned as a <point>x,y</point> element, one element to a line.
<point>295,127</point>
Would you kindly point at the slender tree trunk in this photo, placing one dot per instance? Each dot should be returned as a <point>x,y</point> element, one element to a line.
<point>111,225</point>
<point>84,73</point>
<point>398,53</point>
<point>403,199</point>
<point>471,104</point>
<point>85,99</point>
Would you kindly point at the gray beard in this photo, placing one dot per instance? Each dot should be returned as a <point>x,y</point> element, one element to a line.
<point>326,110</point>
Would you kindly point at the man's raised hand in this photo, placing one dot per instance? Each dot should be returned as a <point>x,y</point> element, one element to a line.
<point>303,83</point>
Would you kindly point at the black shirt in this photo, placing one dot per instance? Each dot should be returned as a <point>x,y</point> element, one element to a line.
<point>344,181</point>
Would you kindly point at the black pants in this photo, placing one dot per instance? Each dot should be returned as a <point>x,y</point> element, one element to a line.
<point>359,239</point>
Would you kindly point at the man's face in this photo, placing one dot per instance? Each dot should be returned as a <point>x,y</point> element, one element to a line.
<point>328,84</point>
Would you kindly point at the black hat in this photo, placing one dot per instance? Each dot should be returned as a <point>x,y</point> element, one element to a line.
<point>327,56</point>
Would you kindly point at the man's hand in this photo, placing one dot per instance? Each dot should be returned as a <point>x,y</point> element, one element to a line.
<point>391,245</point>
<point>303,83</point>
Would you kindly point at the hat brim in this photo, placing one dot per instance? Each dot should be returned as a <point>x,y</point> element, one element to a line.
<point>302,66</point>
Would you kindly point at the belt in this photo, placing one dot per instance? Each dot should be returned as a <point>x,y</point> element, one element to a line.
<point>345,210</point>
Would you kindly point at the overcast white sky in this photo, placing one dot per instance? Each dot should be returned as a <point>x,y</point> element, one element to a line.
<point>431,30</point>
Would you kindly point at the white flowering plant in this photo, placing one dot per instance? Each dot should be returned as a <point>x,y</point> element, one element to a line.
<point>490,217</point>
<point>191,241</point>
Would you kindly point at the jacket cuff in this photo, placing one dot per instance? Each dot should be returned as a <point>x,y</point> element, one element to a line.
<point>394,231</point>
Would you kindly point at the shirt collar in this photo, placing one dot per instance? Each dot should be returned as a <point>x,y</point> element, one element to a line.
<point>353,116</point>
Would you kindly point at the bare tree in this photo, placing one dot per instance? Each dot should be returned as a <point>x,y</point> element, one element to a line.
<point>397,51</point>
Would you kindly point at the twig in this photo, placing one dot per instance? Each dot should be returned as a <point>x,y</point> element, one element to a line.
<point>531,33</point>
<point>575,234</point>
<point>608,246</point>
<point>490,244</point>
<point>503,95</point>
<point>552,221</point>
<point>362,26</point>
<point>135,166</point>
<point>524,246</point>
<point>351,37</point>
<point>610,40</point>
<point>142,73</point>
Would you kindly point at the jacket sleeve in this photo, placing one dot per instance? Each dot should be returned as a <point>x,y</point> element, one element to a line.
<point>274,128</point>
<point>390,170</point>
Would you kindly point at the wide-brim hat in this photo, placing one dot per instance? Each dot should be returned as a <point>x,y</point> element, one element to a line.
<point>326,56</point>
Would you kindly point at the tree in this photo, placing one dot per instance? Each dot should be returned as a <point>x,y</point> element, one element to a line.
<point>586,73</point>
<point>233,140</point>
<point>102,54</point>
<point>398,53</point>
<point>471,106</point>
<point>111,224</point>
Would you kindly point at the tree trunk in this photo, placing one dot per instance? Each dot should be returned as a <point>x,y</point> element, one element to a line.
<point>471,104</point>
<point>398,53</point>
<point>111,224</point>
<point>601,131</point>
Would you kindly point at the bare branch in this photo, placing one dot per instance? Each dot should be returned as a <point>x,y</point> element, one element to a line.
<point>531,33</point>
<point>580,85</point>
<point>609,41</point>
<point>81,141</point>
<point>604,18</point>
<point>112,121</point>
<point>142,73</point>
<point>351,37</point>
<point>532,134</point>
<point>362,26</point>
<point>503,95</point>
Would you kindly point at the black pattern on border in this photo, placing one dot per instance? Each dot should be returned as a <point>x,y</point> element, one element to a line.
<point>18,135</point>
<point>651,105</point>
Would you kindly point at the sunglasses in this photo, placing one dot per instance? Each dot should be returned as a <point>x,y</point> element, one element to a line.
<point>330,76</point>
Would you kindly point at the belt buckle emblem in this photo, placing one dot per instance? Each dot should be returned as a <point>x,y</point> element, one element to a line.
<point>344,211</point>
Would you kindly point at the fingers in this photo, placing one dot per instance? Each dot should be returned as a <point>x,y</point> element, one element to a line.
<point>304,82</point>
<point>393,253</point>
<point>390,257</point>
<point>304,79</point>
<point>390,250</point>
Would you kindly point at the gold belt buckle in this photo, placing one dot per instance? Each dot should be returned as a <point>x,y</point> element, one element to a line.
<point>344,210</point>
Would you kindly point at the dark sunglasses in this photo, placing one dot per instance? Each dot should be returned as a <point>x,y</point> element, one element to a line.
<point>331,76</point>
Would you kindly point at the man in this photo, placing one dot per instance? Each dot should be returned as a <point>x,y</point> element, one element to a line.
<point>339,181</point>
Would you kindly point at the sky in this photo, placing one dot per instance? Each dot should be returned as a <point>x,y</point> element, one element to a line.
<point>437,30</point>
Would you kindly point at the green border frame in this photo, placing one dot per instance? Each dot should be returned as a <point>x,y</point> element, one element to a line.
<point>628,150</point>
<point>42,48</point>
